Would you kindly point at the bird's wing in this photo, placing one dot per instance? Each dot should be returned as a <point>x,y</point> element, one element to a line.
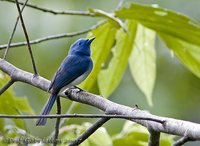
<point>71,68</point>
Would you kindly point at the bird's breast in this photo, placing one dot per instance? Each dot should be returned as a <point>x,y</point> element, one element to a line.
<point>82,77</point>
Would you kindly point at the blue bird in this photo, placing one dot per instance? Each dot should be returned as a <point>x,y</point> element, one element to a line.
<point>74,69</point>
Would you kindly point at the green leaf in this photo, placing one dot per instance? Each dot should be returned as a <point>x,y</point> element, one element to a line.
<point>100,138</point>
<point>109,78</point>
<point>137,135</point>
<point>3,142</point>
<point>179,32</point>
<point>101,46</point>
<point>1,126</point>
<point>12,105</point>
<point>142,61</point>
<point>70,132</point>
<point>163,20</point>
<point>188,53</point>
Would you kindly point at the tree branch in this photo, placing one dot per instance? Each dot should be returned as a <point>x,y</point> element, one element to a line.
<point>58,36</point>
<point>6,86</point>
<point>27,38</point>
<point>89,132</point>
<point>55,12</point>
<point>154,138</point>
<point>120,4</point>
<point>70,109</point>
<point>57,121</point>
<point>78,116</point>
<point>182,141</point>
<point>170,126</point>
<point>13,32</point>
<point>23,76</point>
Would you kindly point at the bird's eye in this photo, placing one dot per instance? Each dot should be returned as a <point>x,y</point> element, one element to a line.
<point>80,43</point>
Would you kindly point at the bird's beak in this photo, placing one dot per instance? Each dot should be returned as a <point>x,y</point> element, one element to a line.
<point>90,40</point>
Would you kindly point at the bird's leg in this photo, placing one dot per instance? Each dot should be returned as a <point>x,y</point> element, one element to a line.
<point>75,87</point>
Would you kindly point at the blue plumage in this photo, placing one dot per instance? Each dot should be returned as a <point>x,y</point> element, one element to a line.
<point>74,69</point>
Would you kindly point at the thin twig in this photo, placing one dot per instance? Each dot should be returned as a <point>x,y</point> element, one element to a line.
<point>89,132</point>
<point>13,32</point>
<point>58,36</point>
<point>27,38</point>
<point>120,4</point>
<point>182,141</point>
<point>169,125</point>
<point>6,86</point>
<point>55,12</point>
<point>154,138</point>
<point>70,109</point>
<point>80,116</point>
<point>57,121</point>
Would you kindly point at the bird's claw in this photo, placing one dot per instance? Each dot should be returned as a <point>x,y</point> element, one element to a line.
<point>80,90</point>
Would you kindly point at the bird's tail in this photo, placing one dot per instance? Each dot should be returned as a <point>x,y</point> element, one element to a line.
<point>46,109</point>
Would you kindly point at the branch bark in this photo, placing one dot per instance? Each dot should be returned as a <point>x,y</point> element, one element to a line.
<point>170,126</point>
<point>182,141</point>
<point>154,138</point>
<point>6,86</point>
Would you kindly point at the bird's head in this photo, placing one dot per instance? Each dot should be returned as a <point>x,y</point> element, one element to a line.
<point>81,46</point>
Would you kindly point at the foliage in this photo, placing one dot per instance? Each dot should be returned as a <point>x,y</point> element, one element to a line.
<point>142,61</point>
<point>134,134</point>
<point>12,105</point>
<point>14,135</point>
<point>105,37</point>
<point>131,134</point>
<point>171,26</point>
<point>118,62</point>
<point>118,44</point>
<point>99,138</point>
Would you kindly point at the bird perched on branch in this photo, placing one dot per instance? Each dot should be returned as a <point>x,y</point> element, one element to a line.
<point>74,69</point>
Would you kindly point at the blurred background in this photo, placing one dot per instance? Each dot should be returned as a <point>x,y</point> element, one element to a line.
<point>177,90</point>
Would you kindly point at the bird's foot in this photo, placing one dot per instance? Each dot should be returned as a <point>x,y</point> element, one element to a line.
<point>80,90</point>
